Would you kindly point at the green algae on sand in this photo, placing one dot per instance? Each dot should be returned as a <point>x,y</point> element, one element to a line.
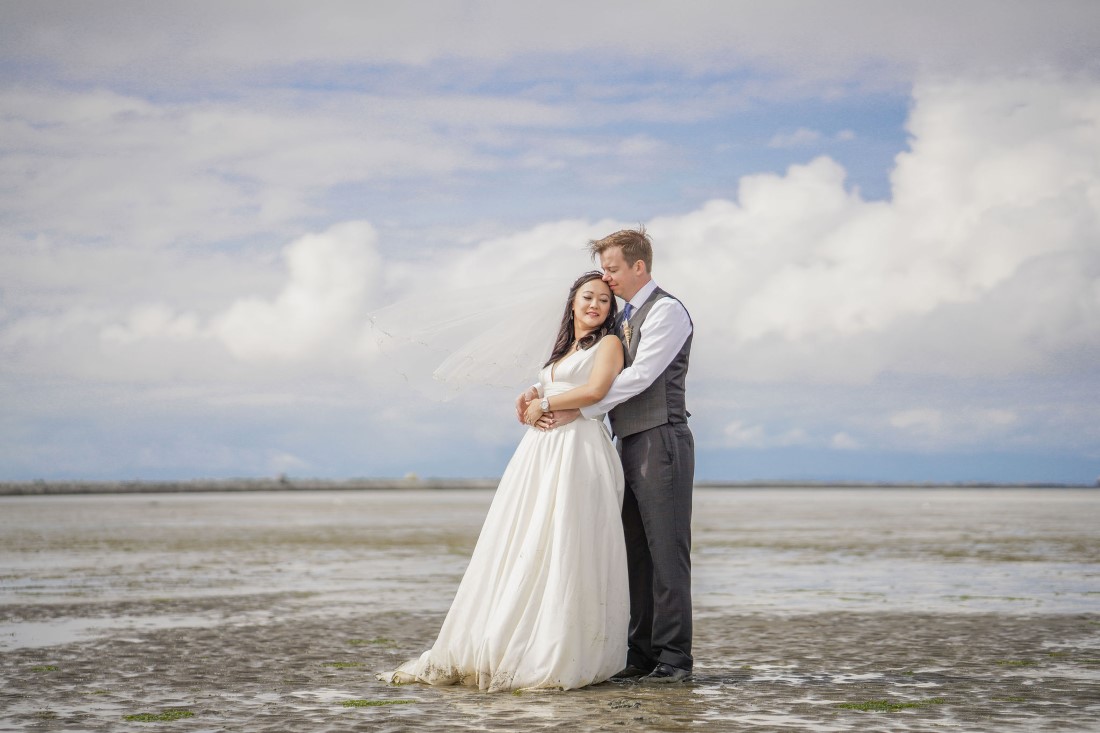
<point>888,706</point>
<point>166,716</point>
<point>374,703</point>
<point>379,641</point>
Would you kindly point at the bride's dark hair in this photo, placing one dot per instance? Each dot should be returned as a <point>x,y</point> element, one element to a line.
<point>565,332</point>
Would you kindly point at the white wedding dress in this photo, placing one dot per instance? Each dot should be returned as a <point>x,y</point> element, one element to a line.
<point>544,600</point>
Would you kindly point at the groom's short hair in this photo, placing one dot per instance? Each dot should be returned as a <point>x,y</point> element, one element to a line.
<point>635,244</point>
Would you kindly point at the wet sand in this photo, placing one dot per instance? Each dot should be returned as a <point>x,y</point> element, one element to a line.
<point>823,610</point>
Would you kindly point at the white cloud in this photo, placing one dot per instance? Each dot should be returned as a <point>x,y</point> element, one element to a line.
<point>173,173</point>
<point>984,261</point>
<point>169,173</point>
<point>333,278</point>
<point>741,435</point>
<point>798,278</point>
<point>640,146</point>
<point>152,321</point>
<point>951,428</point>
<point>843,441</point>
<point>919,420</point>
<point>867,39</point>
<point>614,159</point>
<point>281,463</point>
<point>981,263</point>
<point>801,137</point>
<point>997,418</point>
<point>967,270</point>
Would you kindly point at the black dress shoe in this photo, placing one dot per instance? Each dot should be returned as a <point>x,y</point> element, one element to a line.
<point>630,672</point>
<point>666,673</point>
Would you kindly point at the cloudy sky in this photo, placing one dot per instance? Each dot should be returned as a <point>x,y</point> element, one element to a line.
<point>230,232</point>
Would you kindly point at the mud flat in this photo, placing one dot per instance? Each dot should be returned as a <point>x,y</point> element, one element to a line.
<point>196,486</point>
<point>842,610</point>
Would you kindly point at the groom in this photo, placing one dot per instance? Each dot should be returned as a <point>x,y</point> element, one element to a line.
<point>649,418</point>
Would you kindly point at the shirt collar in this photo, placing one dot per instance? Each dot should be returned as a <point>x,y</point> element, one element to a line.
<point>640,297</point>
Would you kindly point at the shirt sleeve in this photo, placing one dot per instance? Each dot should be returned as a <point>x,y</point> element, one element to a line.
<point>666,328</point>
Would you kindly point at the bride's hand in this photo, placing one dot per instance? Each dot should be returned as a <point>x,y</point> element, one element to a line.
<point>534,412</point>
<point>523,401</point>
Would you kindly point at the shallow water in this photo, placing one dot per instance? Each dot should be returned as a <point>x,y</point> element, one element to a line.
<point>263,611</point>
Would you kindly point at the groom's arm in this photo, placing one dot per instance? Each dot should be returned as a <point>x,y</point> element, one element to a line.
<point>667,327</point>
<point>549,420</point>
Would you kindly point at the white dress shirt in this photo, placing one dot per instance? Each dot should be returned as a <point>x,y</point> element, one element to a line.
<point>667,327</point>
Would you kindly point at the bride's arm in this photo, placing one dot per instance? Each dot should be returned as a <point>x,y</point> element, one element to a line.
<point>609,362</point>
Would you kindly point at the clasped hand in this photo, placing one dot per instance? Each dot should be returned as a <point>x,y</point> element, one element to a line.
<point>530,413</point>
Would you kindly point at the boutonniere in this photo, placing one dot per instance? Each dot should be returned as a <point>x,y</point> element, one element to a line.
<point>627,332</point>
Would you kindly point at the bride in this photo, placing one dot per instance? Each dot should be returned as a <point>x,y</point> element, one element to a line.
<point>544,600</point>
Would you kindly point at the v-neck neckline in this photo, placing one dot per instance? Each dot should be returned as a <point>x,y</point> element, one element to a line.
<point>562,360</point>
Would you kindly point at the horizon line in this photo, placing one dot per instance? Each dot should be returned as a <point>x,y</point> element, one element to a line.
<point>284,483</point>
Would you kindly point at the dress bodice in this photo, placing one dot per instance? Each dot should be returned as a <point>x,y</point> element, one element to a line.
<point>565,374</point>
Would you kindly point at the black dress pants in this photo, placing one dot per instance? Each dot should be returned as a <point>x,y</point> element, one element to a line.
<point>659,467</point>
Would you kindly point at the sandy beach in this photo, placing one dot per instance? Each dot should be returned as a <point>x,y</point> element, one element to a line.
<point>817,609</point>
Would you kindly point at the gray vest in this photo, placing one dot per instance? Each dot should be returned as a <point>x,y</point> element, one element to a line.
<point>661,402</point>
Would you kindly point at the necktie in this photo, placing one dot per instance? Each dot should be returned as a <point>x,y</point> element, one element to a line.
<point>628,332</point>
